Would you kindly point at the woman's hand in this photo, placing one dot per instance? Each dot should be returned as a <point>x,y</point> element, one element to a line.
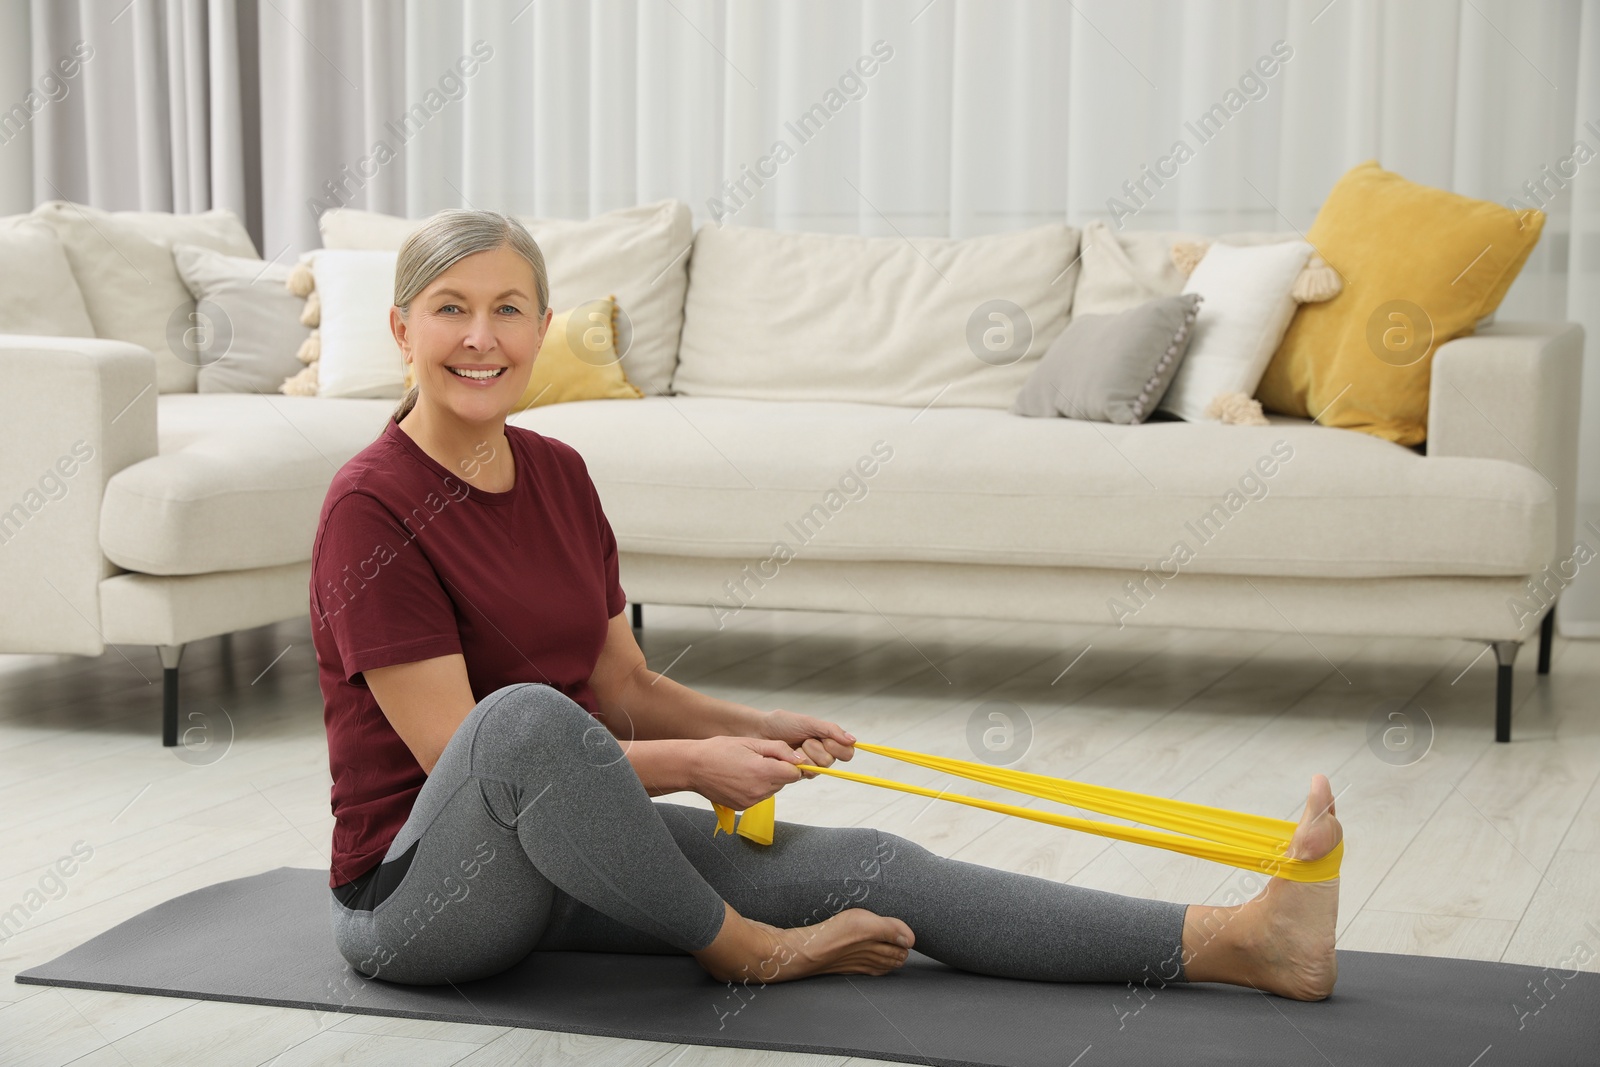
<point>739,772</point>
<point>819,741</point>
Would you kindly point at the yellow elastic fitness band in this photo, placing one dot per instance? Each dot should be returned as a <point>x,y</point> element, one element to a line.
<point>1239,839</point>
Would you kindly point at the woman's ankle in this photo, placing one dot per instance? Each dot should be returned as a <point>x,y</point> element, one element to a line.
<point>1215,945</point>
<point>731,951</point>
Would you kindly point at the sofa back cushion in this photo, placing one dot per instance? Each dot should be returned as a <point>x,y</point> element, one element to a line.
<point>810,316</point>
<point>1121,270</point>
<point>38,294</point>
<point>123,263</point>
<point>639,254</point>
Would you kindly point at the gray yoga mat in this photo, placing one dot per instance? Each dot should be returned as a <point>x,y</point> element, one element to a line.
<point>266,940</point>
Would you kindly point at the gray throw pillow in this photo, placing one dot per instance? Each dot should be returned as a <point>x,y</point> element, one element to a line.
<point>1111,368</point>
<point>246,332</point>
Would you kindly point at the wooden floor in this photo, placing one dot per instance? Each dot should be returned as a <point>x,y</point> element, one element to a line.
<point>1477,850</point>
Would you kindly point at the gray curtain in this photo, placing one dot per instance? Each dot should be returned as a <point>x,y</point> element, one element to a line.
<point>161,114</point>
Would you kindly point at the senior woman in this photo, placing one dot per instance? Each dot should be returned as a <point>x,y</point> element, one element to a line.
<point>495,736</point>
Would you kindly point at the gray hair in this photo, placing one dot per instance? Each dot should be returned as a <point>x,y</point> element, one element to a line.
<point>443,239</point>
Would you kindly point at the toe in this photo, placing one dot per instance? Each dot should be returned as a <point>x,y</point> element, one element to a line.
<point>1320,797</point>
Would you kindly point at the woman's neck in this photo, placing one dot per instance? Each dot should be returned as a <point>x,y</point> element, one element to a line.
<point>477,453</point>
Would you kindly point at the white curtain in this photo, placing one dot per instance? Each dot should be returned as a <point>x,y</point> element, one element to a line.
<point>977,116</point>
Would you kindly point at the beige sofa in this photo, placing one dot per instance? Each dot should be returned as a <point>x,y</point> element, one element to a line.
<point>135,516</point>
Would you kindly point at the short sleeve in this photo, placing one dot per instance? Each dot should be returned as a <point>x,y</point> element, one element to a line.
<point>376,592</point>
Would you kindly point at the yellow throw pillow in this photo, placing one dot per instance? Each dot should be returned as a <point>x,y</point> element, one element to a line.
<point>1421,266</point>
<point>578,360</point>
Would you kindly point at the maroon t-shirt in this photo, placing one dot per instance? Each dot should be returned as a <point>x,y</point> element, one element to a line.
<point>410,562</point>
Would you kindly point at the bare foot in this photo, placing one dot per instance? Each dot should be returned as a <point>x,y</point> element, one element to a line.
<point>1282,941</point>
<point>855,941</point>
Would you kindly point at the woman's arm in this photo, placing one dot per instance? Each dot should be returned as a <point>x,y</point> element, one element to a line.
<point>427,700</point>
<point>639,705</point>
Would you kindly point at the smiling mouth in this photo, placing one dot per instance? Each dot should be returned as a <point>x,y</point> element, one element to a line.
<point>477,375</point>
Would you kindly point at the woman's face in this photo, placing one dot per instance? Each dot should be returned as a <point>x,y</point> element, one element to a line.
<point>482,314</point>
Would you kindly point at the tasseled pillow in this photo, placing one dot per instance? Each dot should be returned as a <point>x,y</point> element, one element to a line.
<point>1236,409</point>
<point>302,283</point>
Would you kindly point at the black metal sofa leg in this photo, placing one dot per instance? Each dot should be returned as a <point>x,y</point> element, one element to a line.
<point>1505,654</point>
<point>170,654</point>
<point>638,616</point>
<point>1547,637</point>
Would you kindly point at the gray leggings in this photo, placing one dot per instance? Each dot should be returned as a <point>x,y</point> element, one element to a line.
<point>534,833</point>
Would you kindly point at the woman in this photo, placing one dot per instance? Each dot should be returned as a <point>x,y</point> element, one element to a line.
<point>478,672</point>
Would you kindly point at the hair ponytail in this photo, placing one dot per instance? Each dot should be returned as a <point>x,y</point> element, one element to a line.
<point>407,402</point>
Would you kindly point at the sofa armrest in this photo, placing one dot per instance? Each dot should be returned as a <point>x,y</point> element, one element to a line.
<point>1511,391</point>
<point>73,412</point>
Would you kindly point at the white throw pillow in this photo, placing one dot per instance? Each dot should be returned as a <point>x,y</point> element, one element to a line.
<point>1247,308</point>
<point>359,356</point>
<point>38,294</point>
<point>123,263</point>
<point>775,315</point>
<point>638,253</point>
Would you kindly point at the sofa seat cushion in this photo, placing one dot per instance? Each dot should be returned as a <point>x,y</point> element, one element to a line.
<point>238,482</point>
<point>752,480</point>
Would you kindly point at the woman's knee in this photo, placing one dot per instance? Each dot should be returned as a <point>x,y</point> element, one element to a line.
<point>892,849</point>
<point>538,715</point>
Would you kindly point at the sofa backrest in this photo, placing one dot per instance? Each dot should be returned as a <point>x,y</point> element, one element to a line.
<point>776,315</point>
<point>122,261</point>
<point>750,312</point>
